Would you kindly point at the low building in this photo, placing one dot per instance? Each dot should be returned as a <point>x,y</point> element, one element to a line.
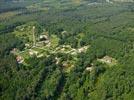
<point>43,40</point>
<point>63,32</point>
<point>89,69</point>
<point>41,55</point>
<point>108,60</point>
<point>14,50</point>
<point>57,60</point>
<point>32,52</point>
<point>43,37</point>
<point>19,59</point>
<point>65,64</point>
<point>82,49</point>
<point>27,45</point>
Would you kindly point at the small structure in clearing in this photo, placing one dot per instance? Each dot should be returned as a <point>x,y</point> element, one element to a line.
<point>108,60</point>
<point>74,53</point>
<point>14,50</point>
<point>63,32</point>
<point>32,52</point>
<point>89,69</point>
<point>43,40</point>
<point>19,59</point>
<point>67,66</point>
<point>39,56</point>
<point>27,45</point>
<point>57,60</point>
<point>83,49</point>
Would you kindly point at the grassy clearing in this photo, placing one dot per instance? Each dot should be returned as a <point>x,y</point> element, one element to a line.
<point>54,41</point>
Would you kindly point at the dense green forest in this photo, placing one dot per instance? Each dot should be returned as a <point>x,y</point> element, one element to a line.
<point>66,50</point>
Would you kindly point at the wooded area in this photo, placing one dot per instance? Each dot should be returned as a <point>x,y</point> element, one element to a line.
<point>108,30</point>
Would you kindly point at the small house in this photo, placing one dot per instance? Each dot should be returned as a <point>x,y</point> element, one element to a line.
<point>43,37</point>
<point>108,60</point>
<point>43,40</point>
<point>89,69</point>
<point>27,45</point>
<point>32,52</point>
<point>19,59</point>
<point>14,50</point>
